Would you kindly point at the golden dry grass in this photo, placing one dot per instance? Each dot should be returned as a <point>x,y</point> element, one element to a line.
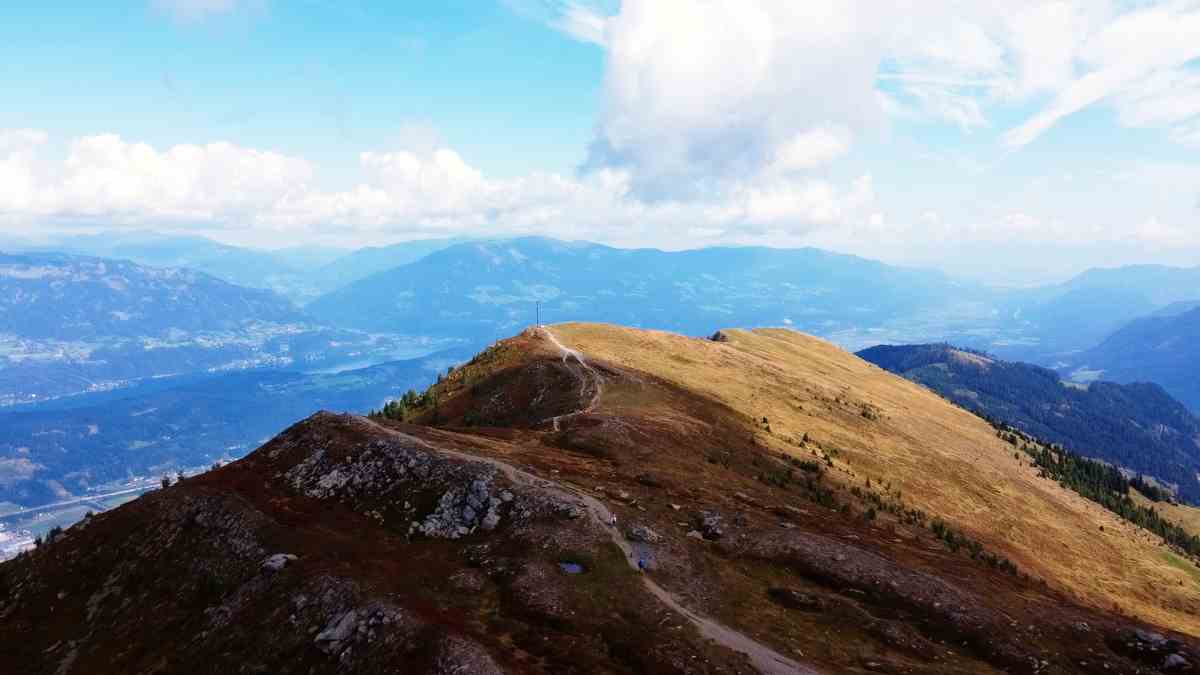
<point>1188,517</point>
<point>944,460</point>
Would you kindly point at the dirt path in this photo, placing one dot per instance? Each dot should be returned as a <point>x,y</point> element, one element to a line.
<point>591,382</point>
<point>765,659</point>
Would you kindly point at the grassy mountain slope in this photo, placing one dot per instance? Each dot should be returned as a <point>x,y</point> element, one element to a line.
<point>773,542</point>
<point>1161,349</point>
<point>1137,426</point>
<point>943,459</point>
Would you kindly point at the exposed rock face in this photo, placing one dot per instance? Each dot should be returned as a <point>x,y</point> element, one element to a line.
<point>711,525</point>
<point>277,562</point>
<point>793,599</point>
<point>337,632</point>
<point>643,534</point>
<point>1156,650</point>
<point>374,593</point>
<point>461,510</point>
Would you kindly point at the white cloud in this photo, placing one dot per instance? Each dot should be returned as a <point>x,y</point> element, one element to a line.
<point>1147,44</point>
<point>583,20</point>
<point>14,140</point>
<point>699,94</point>
<point>106,177</point>
<point>810,149</point>
<point>196,10</point>
<point>17,181</point>
<point>583,23</point>
<point>106,180</point>
<point>704,90</point>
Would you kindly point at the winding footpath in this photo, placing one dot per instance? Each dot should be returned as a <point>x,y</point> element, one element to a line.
<point>589,378</point>
<point>765,659</point>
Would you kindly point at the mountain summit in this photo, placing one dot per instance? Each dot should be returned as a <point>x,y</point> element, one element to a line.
<point>795,510</point>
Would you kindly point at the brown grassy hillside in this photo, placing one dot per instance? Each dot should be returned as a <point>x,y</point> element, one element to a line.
<point>942,459</point>
<point>797,510</point>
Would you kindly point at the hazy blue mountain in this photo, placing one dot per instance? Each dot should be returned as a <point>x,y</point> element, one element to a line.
<point>300,273</point>
<point>1137,426</point>
<point>1064,319</point>
<point>63,297</point>
<point>306,258</point>
<point>1177,308</point>
<point>65,447</point>
<point>1160,284</point>
<point>364,262</point>
<point>1161,349</point>
<point>249,267</point>
<point>73,324</point>
<point>483,290</point>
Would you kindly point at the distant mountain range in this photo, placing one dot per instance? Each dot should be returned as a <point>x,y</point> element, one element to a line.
<point>72,324</point>
<point>1137,426</point>
<point>483,290</point>
<point>300,273</point>
<point>365,262</point>
<point>66,298</point>
<point>1051,325</point>
<point>1163,348</point>
<point>1062,320</point>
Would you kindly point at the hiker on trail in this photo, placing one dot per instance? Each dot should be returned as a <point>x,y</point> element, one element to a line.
<point>641,564</point>
<point>613,522</point>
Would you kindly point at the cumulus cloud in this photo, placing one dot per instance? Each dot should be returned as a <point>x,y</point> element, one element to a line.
<point>700,94</point>
<point>697,91</point>
<point>108,176</point>
<point>108,180</point>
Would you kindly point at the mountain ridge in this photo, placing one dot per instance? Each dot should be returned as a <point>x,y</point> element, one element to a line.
<point>1155,348</point>
<point>338,543</point>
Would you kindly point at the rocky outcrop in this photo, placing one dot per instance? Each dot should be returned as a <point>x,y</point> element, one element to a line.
<point>277,562</point>
<point>642,534</point>
<point>461,510</point>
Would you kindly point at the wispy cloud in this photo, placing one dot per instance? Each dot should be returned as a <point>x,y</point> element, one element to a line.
<point>197,10</point>
<point>582,20</point>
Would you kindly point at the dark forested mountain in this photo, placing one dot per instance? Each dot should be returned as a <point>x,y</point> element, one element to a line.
<point>65,448</point>
<point>486,289</point>
<point>1162,348</point>
<point>1137,426</point>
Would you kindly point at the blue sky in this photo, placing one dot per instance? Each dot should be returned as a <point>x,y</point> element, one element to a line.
<point>312,78</point>
<point>1013,144</point>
